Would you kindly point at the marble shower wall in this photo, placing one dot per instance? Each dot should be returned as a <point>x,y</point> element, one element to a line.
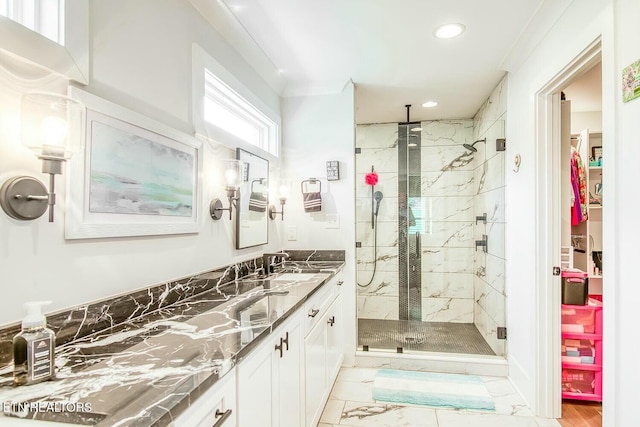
<point>446,205</point>
<point>447,188</point>
<point>489,197</point>
<point>378,148</point>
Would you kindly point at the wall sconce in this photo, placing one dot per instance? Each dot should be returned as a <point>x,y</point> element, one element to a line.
<point>283,193</point>
<point>233,175</point>
<point>51,126</point>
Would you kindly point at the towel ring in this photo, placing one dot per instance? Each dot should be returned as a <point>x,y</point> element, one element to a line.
<point>261,181</point>
<point>310,181</point>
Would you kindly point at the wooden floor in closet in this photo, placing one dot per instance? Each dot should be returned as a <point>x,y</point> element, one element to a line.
<point>576,413</point>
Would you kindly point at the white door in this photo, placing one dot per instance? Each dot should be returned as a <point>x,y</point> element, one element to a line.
<point>287,376</point>
<point>335,326</point>
<point>315,373</point>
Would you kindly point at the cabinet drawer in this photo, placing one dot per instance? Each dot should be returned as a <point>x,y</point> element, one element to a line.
<point>216,407</point>
<point>317,305</point>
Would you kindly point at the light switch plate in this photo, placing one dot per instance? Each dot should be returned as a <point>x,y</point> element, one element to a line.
<point>292,233</point>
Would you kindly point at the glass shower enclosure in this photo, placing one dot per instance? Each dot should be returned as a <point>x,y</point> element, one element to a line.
<point>422,251</point>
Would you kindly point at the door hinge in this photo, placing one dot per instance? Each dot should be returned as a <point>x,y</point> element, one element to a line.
<point>358,244</point>
<point>358,150</point>
<point>556,271</point>
<point>502,333</point>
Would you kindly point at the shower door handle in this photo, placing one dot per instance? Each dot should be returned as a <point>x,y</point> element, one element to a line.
<point>418,249</point>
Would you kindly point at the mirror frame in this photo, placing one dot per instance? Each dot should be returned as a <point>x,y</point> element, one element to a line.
<point>247,156</point>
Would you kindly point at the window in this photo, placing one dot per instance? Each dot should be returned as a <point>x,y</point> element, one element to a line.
<point>232,105</point>
<point>45,17</point>
<point>226,109</point>
<point>53,34</point>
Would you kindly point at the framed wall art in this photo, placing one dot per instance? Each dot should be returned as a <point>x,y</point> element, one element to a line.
<point>631,82</point>
<point>136,177</point>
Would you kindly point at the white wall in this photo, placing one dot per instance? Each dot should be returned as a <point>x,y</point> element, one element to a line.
<point>140,59</point>
<point>622,372</point>
<point>578,27</point>
<point>318,129</point>
<point>582,120</point>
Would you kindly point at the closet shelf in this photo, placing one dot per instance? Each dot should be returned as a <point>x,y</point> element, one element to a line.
<point>595,206</point>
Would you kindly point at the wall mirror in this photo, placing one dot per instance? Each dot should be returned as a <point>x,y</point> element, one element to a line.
<point>251,215</point>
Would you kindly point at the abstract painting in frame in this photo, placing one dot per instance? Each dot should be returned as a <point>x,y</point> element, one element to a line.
<point>136,177</point>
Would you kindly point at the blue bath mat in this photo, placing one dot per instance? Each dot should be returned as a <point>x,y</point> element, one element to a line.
<point>432,389</point>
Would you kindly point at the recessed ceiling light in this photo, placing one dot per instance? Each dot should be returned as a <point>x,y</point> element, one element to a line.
<point>429,104</point>
<point>448,31</point>
<point>416,129</point>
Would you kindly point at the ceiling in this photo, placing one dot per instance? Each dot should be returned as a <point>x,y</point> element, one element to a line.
<point>387,48</point>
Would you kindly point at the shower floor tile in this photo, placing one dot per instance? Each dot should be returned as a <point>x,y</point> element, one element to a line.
<point>413,335</point>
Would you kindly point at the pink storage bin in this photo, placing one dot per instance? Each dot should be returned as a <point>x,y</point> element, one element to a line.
<point>578,381</point>
<point>581,318</point>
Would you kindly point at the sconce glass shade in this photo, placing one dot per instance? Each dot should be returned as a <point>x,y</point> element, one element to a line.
<point>234,173</point>
<point>284,188</point>
<point>51,125</point>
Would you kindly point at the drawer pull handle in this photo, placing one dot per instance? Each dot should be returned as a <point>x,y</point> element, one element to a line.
<point>286,340</point>
<point>223,416</point>
<point>314,312</point>
<point>340,282</point>
<point>279,347</point>
<point>331,320</point>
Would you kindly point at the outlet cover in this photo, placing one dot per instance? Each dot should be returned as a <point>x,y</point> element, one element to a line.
<point>332,221</point>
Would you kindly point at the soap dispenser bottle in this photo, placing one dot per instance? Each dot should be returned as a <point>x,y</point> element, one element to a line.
<point>33,348</point>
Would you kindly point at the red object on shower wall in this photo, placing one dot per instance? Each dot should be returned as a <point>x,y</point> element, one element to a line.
<point>371,178</point>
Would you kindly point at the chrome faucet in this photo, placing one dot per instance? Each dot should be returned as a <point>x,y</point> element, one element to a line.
<point>269,260</point>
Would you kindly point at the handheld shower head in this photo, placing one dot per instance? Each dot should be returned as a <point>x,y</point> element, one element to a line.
<point>472,146</point>
<point>377,196</point>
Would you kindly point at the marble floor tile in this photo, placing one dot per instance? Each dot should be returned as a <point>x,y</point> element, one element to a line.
<point>381,414</point>
<point>353,391</point>
<point>357,374</point>
<point>448,418</point>
<point>351,405</point>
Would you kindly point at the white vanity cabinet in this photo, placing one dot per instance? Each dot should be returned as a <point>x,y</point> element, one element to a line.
<point>323,346</point>
<point>269,379</point>
<point>286,380</point>
<point>215,408</point>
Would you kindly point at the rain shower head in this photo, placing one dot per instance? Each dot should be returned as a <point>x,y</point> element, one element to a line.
<point>472,146</point>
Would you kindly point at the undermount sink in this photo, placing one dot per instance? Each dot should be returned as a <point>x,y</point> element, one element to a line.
<point>294,276</point>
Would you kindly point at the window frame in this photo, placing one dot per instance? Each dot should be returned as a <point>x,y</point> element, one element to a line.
<point>70,61</point>
<point>202,63</point>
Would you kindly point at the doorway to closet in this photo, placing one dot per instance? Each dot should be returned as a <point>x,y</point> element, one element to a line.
<point>582,172</point>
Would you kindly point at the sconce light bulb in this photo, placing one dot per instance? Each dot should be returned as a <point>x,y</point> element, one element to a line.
<point>284,191</point>
<point>231,177</point>
<point>54,130</point>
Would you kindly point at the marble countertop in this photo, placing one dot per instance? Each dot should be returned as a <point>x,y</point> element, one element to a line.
<point>144,372</point>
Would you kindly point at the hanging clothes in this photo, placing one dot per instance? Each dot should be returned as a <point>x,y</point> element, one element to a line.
<point>580,207</point>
